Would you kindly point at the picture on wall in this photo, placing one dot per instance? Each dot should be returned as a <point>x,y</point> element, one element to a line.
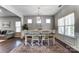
<point>6,24</point>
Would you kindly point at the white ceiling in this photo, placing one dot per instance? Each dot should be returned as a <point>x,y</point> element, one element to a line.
<point>4,12</point>
<point>33,9</point>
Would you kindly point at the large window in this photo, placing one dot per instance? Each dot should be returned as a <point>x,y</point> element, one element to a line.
<point>66,25</point>
<point>61,26</point>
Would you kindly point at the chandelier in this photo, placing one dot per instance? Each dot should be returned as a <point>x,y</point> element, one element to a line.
<point>38,16</point>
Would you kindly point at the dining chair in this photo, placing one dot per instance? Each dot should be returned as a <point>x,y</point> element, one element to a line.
<point>35,38</point>
<point>45,36</point>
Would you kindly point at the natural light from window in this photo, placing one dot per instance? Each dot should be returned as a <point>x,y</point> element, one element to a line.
<point>66,25</point>
<point>48,20</point>
<point>29,21</point>
<point>18,26</point>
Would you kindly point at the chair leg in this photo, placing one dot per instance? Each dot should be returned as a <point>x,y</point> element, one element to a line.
<point>53,41</point>
<point>25,40</point>
<point>32,43</point>
<point>48,42</point>
<point>42,42</point>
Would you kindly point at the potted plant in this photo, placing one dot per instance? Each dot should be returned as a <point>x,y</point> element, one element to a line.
<point>25,27</point>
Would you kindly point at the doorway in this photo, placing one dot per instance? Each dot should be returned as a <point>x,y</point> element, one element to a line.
<point>18,28</point>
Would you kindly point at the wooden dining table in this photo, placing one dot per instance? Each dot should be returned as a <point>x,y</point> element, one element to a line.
<point>38,34</point>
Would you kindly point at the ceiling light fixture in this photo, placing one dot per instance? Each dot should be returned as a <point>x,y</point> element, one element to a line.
<point>38,16</point>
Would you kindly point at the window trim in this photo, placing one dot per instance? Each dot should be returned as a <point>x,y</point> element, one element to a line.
<point>67,25</point>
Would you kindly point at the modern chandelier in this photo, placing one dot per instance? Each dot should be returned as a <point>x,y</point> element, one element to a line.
<point>38,16</point>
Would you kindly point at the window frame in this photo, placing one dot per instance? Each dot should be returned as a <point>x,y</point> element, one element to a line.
<point>65,25</point>
<point>61,26</point>
<point>48,20</point>
<point>29,21</point>
<point>18,26</point>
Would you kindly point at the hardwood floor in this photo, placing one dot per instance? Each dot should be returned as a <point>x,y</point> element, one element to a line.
<point>67,46</point>
<point>9,44</point>
<point>57,48</point>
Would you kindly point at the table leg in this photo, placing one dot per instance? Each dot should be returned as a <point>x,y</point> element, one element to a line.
<point>48,40</point>
<point>32,41</point>
<point>25,40</point>
<point>53,40</point>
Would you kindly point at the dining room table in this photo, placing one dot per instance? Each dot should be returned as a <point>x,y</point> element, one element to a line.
<point>39,34</point>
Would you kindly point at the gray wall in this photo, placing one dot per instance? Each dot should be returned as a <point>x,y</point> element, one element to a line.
<point>34,25</point>
<point>67,9</point>
<point>12,20</point>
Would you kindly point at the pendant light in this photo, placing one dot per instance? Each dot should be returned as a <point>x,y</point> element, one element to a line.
<point>38,16</point>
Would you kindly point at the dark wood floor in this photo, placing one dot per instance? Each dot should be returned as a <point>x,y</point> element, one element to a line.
<point>9,44</point>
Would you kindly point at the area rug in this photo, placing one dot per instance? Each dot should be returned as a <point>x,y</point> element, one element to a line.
<point>40,49</point>
<point>30,49</point>
<point>2,40</point>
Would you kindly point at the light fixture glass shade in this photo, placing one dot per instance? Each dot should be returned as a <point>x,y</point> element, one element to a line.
<point>38,19</point>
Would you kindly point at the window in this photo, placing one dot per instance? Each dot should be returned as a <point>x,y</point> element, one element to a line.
<point>69,30</point>
<point>66,25</point>
<point>38,21</point>
<point>48,20</point>
<point>69,25</point>
<point>18,26</point>
<point>61,30</point>
<point>61,26</point>
<point>29,21</point>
